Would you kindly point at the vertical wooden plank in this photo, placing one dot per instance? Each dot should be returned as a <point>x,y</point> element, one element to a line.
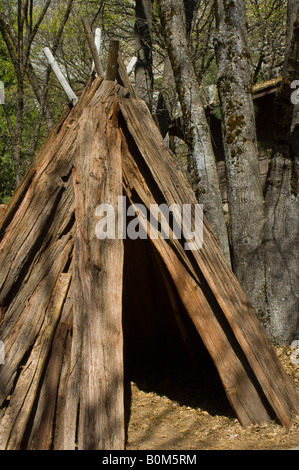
<point>40,435</point>
<point>97,41</point>
<point>15,419</point>
<point>111,70</point>
<point>42,432</point>
<point>123,77</point>
<point>93,47</point>
<point>240,389</point>
<point>222,286</point>
<point>98,282</point>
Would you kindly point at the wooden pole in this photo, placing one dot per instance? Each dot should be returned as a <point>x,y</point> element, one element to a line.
<point>131,65</point>
<point>112,67</point>
<point>2,93</point>
<point>55,67</point>
<point>122,76</point>
<point>93,48</point>
<point>97,41</point>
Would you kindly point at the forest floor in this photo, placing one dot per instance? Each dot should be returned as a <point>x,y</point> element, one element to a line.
<point>178,412</point>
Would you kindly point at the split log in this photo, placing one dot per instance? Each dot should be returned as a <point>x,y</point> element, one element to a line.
<point>44,422</point>
<point>98,281</point>
<point>3,208</point>
<point>111,71</point>
<point>67,400</point>
<point>93,47</point>
<point>123,78</point>
<point>222,290</point>
<point>66,418</point>
<point>25,315</point>
<point>16,416</point>
<point>238,384</point>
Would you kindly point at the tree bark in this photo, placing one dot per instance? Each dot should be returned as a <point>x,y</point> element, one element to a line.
<point>143,48</point>
<point>205,174</point>
<point>291,18</point>
<point>167,98</point>
<point>245,194</point>
<point>98,280</point>
<point>282,207</point>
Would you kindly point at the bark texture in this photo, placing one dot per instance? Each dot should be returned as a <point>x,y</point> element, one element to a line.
<point>245,194</point>
<point>143,49</point>
<point>263,228</point>
<point>282,207</point>
<point>205,176</point>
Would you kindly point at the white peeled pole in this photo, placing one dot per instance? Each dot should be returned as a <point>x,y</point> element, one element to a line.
<point>97,41</point>
<point>131,65</point>
<point>2,98</point>
<point>73,99</point>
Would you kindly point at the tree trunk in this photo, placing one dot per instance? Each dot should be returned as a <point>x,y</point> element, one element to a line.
<point>205,174</point>
<point>245,194</point>
<point>18,131</point>
<point>282,208</point>
<point>291,18</point>
<point>167,98</point>
<point>143,48</point>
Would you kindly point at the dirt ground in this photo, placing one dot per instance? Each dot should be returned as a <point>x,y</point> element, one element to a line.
<point>175,411</point>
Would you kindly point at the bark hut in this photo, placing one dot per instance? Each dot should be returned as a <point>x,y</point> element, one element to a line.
<point>61,286</point>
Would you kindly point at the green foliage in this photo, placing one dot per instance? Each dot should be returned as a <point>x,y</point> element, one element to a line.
<point>7,180</point>
<point>266,28</point>
<point>116,18</point>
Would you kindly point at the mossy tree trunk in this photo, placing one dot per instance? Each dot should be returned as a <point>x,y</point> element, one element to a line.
<point>264,228</point>
<point>245,195</point>
<point>204,171</point>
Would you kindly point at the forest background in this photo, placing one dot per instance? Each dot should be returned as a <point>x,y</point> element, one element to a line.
<point>191,54</point>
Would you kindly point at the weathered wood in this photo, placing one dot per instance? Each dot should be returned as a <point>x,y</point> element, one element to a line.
<point>97,41</point>
<point>13,423</point>
<point>24,317</point>
<point>42,429</point>
<point>67,400</point>
<point>98,282</point>
<point>67,389</point>
<point>238,385</point>
<point>123,78</point>
<point>111,71</point>
<point>93,48</point>
<point>131,65</point>
<point>73,99</point>
<point>29,218</point>
<point>45,421</point>
<point>3,208</point>
<point>211,265</point>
